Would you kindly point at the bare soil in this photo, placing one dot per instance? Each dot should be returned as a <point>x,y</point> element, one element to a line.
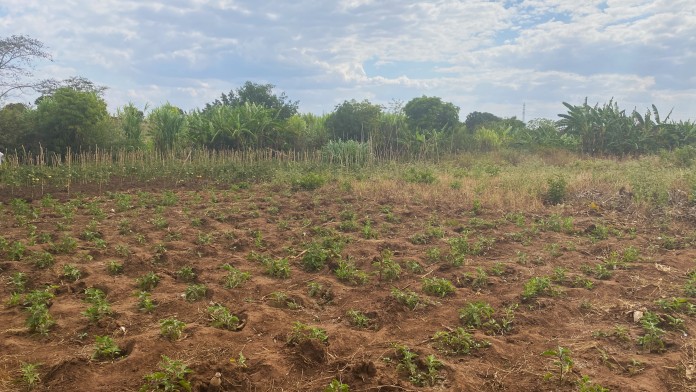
<point>209,228</point>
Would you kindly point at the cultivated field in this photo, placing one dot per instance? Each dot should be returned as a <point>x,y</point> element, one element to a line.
<point>463,276</point>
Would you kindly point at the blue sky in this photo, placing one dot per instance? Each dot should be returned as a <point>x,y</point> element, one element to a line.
<point>481,55</point>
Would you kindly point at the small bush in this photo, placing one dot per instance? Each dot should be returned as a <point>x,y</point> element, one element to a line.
<point>308,182</point>
<point>421,175</point>
<point>556,192</point>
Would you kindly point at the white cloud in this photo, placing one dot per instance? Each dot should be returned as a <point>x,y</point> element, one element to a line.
<point>483,55</point>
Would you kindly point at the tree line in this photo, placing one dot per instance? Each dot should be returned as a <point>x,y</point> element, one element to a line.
<point>72,114</point>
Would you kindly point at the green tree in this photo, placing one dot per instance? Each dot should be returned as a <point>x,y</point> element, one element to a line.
<point>131,122</point>
<point>262,95</point>
<point>168,123</point>
<point>15,125</point>
<point>73,119</point>
<point>474,120</point>
<point>431,113</point>
<point>353,120</point>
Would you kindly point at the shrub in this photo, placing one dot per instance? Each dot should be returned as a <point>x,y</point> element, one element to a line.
<point>422,175</point>
<point>307,182</point>
<point>556,192</point>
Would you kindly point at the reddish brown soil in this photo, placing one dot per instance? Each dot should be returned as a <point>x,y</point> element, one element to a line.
<point>579,319</point>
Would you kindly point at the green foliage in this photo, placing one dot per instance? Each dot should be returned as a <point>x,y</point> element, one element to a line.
<point>537,286</point>
<point>130,120</point>
<point>105,348</point>
<point>113,267</point>
<point>15,251</point>
<point>19,281</point>
<point>652,338</point>
<point>41,259</point>
<point>171,328</point>
<point>315,257</point>
<point>282,300</point>
<point>67,245</point>
<point>407,298</point>
<point>301,332</point>
<point>438,286</point>
<point>259,94</point>
<point>586,385</point>
<point>30,374</point>
<point>420,175</point>
<point>388,268</point>
<point>221,317</point>
<point>72,119</point>
<point>99,307</point>
<point>353,120</point>
<point>476,314</point>
<point>145,301</point>
<point>562,361</point>
<point>308,181</point>
<point>171,377</point>
<point>346,153</point>
<point>234,277</point>
<point>431,113</point>
<point>277,268</point>
<point>148,281</point>
<point>71,273</point>
<point>419,372</point>
<point>358,319</point>
<point>457,342</point>
<point>38,319</point>
<point>194,292</point>
<point>337,386</point>
<point>348,272</point>
<point>186,274</point>
<point>168,123</point>
<point>557,190</point>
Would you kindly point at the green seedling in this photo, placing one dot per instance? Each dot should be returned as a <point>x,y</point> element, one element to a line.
<point>171,377</point>
<point>105,348</point>
<point>221,317</point>
<point>438,286</point>
<point>171,328</point>
<point>457,342</point>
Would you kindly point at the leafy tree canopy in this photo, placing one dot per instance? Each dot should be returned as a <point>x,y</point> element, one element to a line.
<point>259,94</point>
<point>474,120</point>
<point>353,120</point>
<point>72,118</point>
<point>431,113</point>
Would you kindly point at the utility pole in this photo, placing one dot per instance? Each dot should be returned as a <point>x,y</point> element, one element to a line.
<point>524,111</point>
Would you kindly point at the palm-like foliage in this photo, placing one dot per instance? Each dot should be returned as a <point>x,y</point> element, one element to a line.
<point>608,130</point>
